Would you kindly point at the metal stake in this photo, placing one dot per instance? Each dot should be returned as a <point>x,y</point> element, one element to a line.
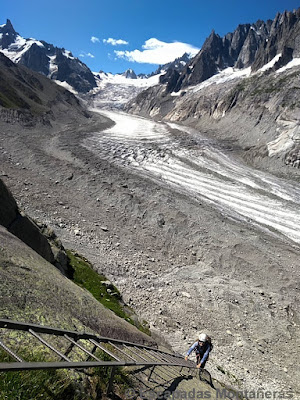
<point>111,380</point>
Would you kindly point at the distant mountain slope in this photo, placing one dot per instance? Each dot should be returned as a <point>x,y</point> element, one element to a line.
<point>40,56</point>
<point>250,45</point>
<point>241,89</point>
<point>29,96</point>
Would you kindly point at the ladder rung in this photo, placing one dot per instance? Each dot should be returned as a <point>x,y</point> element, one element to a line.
<point>81,348</point>
<point>49,345</point>
<point>104,349</point>
<point>121,351</point>
<point>134,352</point>
<point>10,352</point>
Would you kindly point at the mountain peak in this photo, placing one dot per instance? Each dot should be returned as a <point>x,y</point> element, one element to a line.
<point>129,74</point>
<point>56,63</point>
<point>8,34</point>
<point>9,25</point>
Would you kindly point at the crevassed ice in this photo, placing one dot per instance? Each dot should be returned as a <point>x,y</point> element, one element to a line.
<point>202,172</point>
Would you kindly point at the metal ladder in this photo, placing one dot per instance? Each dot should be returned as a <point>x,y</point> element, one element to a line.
<point>121,353</point>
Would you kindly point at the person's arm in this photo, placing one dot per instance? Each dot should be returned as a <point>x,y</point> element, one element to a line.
<point>190,350</point>
<point>205,355</point>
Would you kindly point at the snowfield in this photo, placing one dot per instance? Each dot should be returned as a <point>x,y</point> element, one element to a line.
<point>202,171</point>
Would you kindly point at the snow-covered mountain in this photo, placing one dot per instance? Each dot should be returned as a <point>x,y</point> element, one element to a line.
<point>113,91</point>
<point>56,63</point>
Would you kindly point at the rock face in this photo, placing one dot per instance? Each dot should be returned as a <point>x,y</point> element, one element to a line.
<point>32,290</point>
<point>40,238</point>
<point>283,39</point>
<point>40,56</point>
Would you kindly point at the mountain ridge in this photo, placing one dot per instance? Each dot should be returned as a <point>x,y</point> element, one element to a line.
<point>249,45</point>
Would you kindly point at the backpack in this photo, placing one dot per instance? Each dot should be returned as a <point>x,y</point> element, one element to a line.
<point>210,343</point>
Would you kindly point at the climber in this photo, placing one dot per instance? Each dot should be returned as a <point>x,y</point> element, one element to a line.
<point>202,348</point>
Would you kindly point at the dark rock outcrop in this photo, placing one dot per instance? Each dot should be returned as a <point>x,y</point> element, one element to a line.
<point>40,238</point>
<point>170,78</point>
<point>36,58</point>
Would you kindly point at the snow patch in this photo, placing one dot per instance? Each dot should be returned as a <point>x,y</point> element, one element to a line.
<point>270,64</point>
<point>175,94</point>
<point>67,86</point>
<point>294,63</point>
<point>67,54</point>
<point>226,75</point>
<point>52,65</point>
<point>37,42</point>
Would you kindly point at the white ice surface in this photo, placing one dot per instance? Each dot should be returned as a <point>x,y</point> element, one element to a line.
<point>113,91</point>
<point>119,79</point>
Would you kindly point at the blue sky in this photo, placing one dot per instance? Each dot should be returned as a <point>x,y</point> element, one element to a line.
<point>174,26</point>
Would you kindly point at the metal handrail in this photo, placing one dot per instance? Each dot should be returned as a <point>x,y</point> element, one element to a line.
<point>18,366</point>
<point>22,326</point>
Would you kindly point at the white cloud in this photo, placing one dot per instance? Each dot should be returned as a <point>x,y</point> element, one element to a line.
<point>114,42</point>
<point>94,39</point>
<point>157,52</point>
<point>87,55</point>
